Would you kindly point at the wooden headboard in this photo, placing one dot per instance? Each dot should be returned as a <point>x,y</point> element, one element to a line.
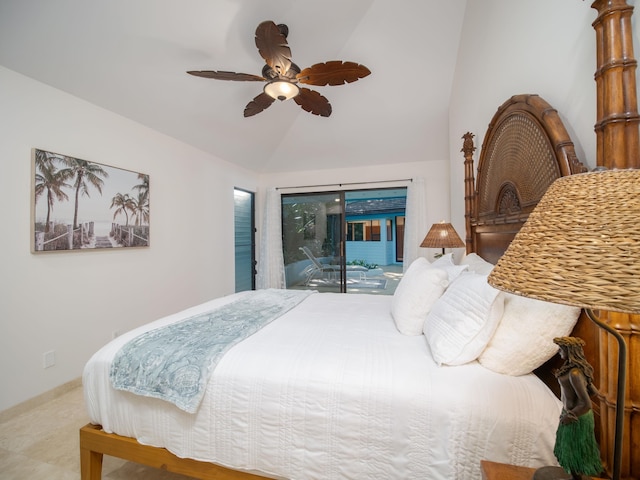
<point>525,149</point>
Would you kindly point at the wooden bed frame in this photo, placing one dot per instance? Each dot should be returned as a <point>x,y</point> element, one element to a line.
<point>94,443</point>
<point>497,203</point>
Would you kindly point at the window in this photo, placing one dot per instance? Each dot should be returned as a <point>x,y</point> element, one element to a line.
<point>363,231</point>
<point>245,250</point>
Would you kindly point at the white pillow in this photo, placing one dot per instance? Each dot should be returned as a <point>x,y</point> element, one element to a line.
<point>418,290</point>
<point>463,320</point>
<point>477,264</point>
<point>524,339</point>
<point>445,262</point>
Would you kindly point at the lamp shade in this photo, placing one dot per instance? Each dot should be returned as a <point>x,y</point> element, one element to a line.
<point>442,235</point>
<point>580,245</point>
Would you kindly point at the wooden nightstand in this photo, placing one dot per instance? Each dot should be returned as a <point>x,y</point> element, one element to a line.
<point>502,471</point>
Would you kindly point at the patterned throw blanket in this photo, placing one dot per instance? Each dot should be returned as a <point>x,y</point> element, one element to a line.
<point>174,362</point>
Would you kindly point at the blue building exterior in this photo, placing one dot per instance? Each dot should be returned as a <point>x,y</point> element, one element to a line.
<point>375,230</point>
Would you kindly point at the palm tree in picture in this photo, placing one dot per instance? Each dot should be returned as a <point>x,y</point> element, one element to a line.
<point>143,187</point>
<point>141,208</point>
<point>123,204</point>
<point>85,174</point>
<point>49,180</point>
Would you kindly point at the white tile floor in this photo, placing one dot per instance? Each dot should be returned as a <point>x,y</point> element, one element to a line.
<point>42,443</point>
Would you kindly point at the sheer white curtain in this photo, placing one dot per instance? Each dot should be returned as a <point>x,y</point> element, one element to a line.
<point>415,221</point>
<point>271,263</point>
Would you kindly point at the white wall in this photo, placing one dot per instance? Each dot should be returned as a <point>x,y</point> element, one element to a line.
<point>548,47</point>
<point>72,302</point>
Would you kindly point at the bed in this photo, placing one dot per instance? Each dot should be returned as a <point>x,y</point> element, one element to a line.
<point>373,407</point>
<point>348,386</point>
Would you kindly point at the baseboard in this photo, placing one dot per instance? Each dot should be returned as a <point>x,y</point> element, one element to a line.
<point>39,400</point>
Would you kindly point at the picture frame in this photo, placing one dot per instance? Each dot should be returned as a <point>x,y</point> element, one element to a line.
<point>82,205</point>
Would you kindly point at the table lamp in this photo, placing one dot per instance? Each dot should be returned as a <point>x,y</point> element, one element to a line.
<point>442,235</point>
<point>581,247</point>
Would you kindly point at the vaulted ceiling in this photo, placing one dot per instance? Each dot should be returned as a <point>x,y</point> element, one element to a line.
<point>130,57</point>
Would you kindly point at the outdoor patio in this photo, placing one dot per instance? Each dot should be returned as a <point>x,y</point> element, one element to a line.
<point>382,280</point>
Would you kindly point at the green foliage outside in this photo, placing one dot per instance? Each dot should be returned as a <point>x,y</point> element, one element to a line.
<point>363,263</point>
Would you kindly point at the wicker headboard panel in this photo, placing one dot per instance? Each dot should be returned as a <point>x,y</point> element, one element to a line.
<point>525,149</point>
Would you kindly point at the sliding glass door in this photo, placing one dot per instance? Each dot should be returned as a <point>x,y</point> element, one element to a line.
<point>344,241</point>
<point>312,241</point>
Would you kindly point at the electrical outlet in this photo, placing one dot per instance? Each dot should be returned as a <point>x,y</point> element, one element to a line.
<point>49,359</point>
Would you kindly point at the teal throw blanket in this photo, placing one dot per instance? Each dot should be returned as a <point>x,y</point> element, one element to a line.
<point>174,362</point>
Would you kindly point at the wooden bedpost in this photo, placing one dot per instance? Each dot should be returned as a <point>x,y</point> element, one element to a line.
<point>616,127</point>
<point>469,188</point>
<point>618,146</point>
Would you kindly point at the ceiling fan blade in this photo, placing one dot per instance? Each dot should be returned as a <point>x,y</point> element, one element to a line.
<point>258,104</point>
<point>334,72</point>
<point>273,47</point>
<point>220,75</point>
<point>312,102</point>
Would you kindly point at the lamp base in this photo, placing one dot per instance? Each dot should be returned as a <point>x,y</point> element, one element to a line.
<point>553,473</point>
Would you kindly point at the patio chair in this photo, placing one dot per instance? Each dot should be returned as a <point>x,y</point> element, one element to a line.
<point>317,267</point>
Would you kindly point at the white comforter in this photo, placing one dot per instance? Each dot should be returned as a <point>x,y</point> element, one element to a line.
<point>331,390</point>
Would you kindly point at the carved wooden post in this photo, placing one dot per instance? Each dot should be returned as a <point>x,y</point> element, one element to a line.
<point>469,188</point>
<point>618,146</point>
<point>617,133</point>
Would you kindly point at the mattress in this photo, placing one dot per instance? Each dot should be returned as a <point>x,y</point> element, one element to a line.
<point>332,390</point>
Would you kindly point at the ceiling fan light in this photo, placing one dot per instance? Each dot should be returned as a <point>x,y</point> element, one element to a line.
<point>281,89</point>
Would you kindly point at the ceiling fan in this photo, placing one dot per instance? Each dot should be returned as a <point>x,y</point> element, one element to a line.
<point>282,75</point>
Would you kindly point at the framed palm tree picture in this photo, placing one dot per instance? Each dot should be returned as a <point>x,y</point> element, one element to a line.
<point>80,205</point>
